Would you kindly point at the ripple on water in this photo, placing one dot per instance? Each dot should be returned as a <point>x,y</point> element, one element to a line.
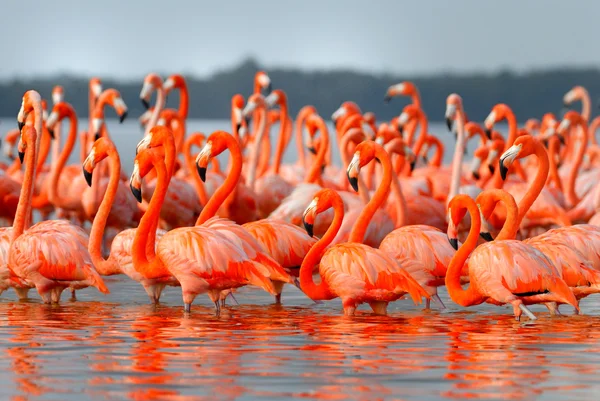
<point>120,347</point>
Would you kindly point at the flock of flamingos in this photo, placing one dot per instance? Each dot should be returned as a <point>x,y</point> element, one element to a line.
<point>392,222</point>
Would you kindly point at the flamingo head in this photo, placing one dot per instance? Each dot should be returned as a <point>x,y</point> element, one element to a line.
<point>456,212</point>
<point>405,88</point>
<point>264,82</point>
<point>322,201</point>
<point>151,83</point>
<point>100,150</point>
<point>28,138</point>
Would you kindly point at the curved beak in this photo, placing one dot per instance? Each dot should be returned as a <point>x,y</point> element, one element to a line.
<point>88,176</point>
<point>449,123</point>
<point>508,158</point>
<point>387,99</point>
<point>353,171</point>
<point>122,117</point>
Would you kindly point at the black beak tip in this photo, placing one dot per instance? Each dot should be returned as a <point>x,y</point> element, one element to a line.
<point>401,130</point>
<point>491,168</point>
<point>503,170</point>
<point>269,89</point>
<point>449,124</point>
<point>238,127</point>
<point>323,169</point>
<point>387,99</point>
<point>561,139</point>
<point>486,236</point>
<point>145,103</point>
<point>247,120</point>
<point>122,117</point>
<point>353,182</point>
<point>51,132</point>
<point>20,125</point>
<point>201,173</point>
<point>96,136</point>
<point>488,133</point>
<point>412,165</point>
<point>88,177</point>
<point>21,156</point>
<point>312,150</point>
<point>137,193</point>
<point>309,228</point>
<point>453,243</point>
<point>476,175</point>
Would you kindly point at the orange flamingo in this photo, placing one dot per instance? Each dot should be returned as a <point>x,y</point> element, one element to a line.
<point>352,271</point>
<point>500,272</point>
<point>573,267</point>
<point>287,244</point>
<point>50,255</point>
<point>120,259</point>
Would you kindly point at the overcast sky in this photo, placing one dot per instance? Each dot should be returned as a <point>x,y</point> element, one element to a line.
<point>128,38</point>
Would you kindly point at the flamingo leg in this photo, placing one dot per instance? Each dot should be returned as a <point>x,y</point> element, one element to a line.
<point>427,304</point>
<point>526,311</point>
<point>187,307</point>
<point>217,308</point>
<point>437,300</point>
<point>22,293</point>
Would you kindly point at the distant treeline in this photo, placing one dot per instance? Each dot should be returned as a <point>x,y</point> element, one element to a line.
<point>529,94</point>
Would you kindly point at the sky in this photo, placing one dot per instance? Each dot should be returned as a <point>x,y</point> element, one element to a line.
<point>126,39</point>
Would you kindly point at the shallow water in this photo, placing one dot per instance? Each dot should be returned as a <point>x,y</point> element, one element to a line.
<point>122,348</point>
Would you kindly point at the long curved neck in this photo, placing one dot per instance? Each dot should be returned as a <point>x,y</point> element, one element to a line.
<point>436,160</point>
<point>258,139</point>
<point>592,130</point>
<point>459,151</point>
<point>184,102</point>
<point>580,145</point>
<point>553,151</point>
<point>353,135</point>
<point>211,208</point>
<point>144,255</point>
<point>380,196</point>
<point>423,135</point>
<point>23,209</point>
<point>320,291</point>
<point>511,226</point>
<point>189,162</point>
<point>45,145</point>
<point>586,106</point>
<point>512,129</point>
<point>82,146</point>
<point>110,266</point>
<point>469,296</point>
<point>160,104</point>
<point>38,125</point>
<point>304,112</point>
<point>57,169</point>
<point>281,140</point>
<point>400,202</point>
<point>314,174</point>
<point>538,183</point>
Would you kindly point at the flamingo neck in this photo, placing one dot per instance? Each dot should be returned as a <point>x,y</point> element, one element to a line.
<point>423,135</point>
<point>470,296</point>
<point>189,162</point>
<point>45,145</point>
<point>580,145</point>
<point>57,168</point>
<point>538,183</point>
<point>221,194</point>
<point>459,151</point>
<point>184,102</point>
<point>82,146</point>
<point>356,136</point>
<point>314,174</point>
<point>144,257</point>
<point>321,291</point>
<point>511,226</point>
<point>380,196</point>
<point>305,112</point>
<point>436,160</point>
<point>23,212</point>
<point>281,142</point>
<point>160,104</point>
<point>105,267</point>
<point>592,130</point>
<point>258,139</point>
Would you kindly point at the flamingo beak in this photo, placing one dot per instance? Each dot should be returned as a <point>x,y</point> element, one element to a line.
<point>202,160</point>
<point>20,125</point>
<point>21,156</point>
<point>145,103</point>
<point>488,133</point>
<point>352,171</point>
<point>453,243</point>
<point>491,168</point>
<point>449,123</point>
<point>136,190</point>
<point>508,158</point>
<point>122,117</point>
<point>486,236</point>
<point>309,216</point>
<point>476,175</point>
<point>51,132</point>
<point>269,88</point>
<point>88,177</point>
<point>387,98</point>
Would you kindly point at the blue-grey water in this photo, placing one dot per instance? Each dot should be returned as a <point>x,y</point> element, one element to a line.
<point>119,347</point>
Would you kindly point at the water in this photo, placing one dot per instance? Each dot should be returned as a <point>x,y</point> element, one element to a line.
<point>120,347</point>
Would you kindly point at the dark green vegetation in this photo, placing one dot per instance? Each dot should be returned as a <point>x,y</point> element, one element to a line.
<point>530,94</point>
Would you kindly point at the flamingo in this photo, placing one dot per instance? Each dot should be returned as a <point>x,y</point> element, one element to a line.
<point>500,272</point>
<point>352,271</point>
<point>423,243</point>
<point>50,255</point>
<point>286,243</point>
<point>120,259</point>
<point>572,265</point>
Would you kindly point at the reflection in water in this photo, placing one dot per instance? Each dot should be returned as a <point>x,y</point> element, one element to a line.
<point>112,349</point>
